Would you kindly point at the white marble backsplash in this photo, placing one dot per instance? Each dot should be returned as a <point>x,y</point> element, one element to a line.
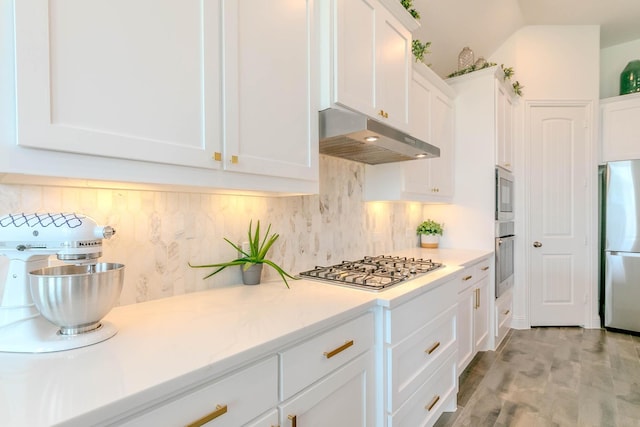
<point>158,233</point>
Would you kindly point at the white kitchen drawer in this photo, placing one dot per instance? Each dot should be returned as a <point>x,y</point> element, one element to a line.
<point>269,419</point>
<point>414,360</point>
<point>504,314</point>
<point>434,397</point>
<point>246,394</point>
<point>404,320</point>
<point>473,274</point>
<point>316,357</point>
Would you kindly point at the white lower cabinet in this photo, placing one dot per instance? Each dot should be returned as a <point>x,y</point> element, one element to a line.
<point>474,308</point>
<point>503,316</point>
<point>328,380</point>
<point>342,399</point>
<point>270,419</point>
<point>231,401</point>
<point>420,358</point>
<point>434,397</point>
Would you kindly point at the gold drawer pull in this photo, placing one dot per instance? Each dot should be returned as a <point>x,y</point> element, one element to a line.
<point>433,403</point>
<point>433,348</point>
<point>220,410</point>
<point>294,421</point>
<point>217,156</point>
<point>343,347</point>
<point>234,159</point>
<point>507,312</point>
<point>467,278</point>
<point>485,268</point>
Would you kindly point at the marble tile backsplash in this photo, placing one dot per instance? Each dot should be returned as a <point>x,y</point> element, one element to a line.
<point>159,233</point>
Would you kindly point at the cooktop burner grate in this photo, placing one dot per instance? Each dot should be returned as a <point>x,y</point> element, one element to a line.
<point>373,272</point>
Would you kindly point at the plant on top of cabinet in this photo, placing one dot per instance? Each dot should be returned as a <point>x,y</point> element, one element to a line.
<point>508,73</point>
<point>408,4</point>
<point>252,260</point>
<point>419,49</point>
<point>429,231</point>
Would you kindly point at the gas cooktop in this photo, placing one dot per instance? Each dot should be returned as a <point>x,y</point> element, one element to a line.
<point>373,273</point>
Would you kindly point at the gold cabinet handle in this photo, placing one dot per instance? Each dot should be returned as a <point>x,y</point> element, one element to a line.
<point>477,297</point>
<point>433,348</point>
<point>343,347</point>
<point>294,421</point>
<point>430,406</point>
<point>220,410</point>
<point>467,278</point>
<point>485,268</point>
<point>234,159</point>
<point>507,312</point>
<point>217,156</point>
<point>386,115</point>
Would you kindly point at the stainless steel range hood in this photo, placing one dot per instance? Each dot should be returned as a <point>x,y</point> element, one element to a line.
<point>357,137</point>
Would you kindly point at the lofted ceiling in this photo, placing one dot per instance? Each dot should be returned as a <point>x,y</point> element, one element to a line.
<point>484,25</point>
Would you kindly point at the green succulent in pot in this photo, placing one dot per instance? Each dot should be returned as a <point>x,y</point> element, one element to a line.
<point>256,254</point>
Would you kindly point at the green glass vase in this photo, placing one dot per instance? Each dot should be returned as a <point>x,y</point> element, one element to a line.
<point>630,78</point>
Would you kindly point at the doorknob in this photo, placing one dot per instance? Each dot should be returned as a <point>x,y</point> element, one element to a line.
<point>537,244</point>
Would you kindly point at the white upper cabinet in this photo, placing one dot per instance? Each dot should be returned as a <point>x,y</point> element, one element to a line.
<point>620,131</point>
<point>270,101</point>
<point>432,120</point>
<point>366,60</point>
<point>186,92</point>
<point>504,125</point>
<point>112,79</point>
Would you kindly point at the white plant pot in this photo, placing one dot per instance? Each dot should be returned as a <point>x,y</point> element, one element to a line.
<point>429,241</point>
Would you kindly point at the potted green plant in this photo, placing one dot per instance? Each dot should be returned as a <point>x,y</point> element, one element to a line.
<point>252,260</point>
<point>430,232</point>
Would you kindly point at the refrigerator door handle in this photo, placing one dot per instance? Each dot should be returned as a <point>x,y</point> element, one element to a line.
<point>626,254</point>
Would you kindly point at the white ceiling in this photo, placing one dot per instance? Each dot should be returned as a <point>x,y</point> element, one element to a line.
<point>484,25</point>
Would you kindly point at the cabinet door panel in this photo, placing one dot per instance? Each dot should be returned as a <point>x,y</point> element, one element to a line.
<point>92,79</point>
<point>442,131</point>
<point>355,55</point>
<point>270,102</point>
<point>620,133</point>
<point>344,398</point>
<point>481,321</point>
<point>464,328</point>
<point>393,71</point>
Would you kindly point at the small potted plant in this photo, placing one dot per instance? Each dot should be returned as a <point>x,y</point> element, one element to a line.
<point>430,232</point>
<point>252,260</point>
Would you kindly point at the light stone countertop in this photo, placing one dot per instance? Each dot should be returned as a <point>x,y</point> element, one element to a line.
<point>165,345</point>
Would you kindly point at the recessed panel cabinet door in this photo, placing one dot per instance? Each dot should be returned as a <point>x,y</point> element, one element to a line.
<point>372,61</point>
<point>270,100</point>
<point>393,70</point>
<point>122,78</point>
<point>355,54</point>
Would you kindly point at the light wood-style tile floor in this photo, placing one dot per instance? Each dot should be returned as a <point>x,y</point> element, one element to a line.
<point>552,377</point>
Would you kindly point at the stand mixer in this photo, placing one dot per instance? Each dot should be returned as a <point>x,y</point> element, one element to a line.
<point>28,240</point>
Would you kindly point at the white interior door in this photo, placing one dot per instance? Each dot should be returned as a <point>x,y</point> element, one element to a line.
<point>558,214</point>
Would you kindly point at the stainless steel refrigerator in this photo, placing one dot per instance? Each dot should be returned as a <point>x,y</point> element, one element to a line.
<point>620,236</point>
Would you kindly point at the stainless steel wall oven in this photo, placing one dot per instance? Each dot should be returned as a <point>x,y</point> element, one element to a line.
<point>505,239</point>
<point>504,195</point>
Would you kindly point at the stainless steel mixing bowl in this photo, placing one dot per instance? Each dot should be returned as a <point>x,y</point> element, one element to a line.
<point>76,297</point>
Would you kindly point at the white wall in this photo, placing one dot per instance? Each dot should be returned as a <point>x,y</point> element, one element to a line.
<point>612,61</point>
<point>554,61</point>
